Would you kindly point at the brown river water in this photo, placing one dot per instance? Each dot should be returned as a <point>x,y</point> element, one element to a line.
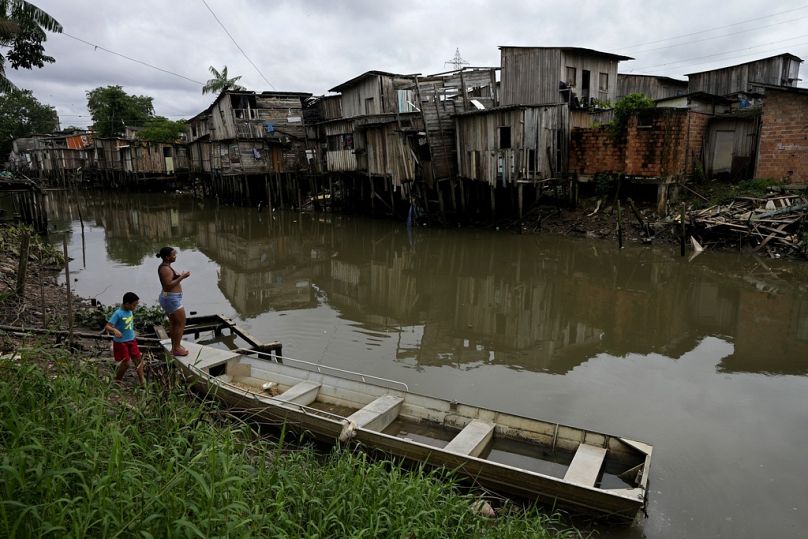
<point>705,359</point>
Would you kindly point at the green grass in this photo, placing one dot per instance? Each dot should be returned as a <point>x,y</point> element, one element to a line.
<point>81,458</point>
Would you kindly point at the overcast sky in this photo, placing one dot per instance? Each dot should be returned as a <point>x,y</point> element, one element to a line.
<point>313,45</point>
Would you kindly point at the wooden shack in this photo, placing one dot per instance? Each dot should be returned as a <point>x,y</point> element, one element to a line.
<point>549,75</point>
<point>652,86</point>
<point>376,138</point>
<point>779,70</point>
<point>243,138</point>
<point>440,98</point>
<point>513,146</point>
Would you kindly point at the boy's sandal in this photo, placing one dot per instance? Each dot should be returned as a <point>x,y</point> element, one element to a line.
<point>179,353</point>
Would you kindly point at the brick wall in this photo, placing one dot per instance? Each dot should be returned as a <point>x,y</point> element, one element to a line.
<point>594,151</point>
<point>783,150</point>
<point>658,143</point>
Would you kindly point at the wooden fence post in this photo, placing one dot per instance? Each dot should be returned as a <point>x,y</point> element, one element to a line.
<point>22,268</point>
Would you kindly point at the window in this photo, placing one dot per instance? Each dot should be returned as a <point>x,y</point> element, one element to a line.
<point>504,137</point>
<point>369,108</point>
<point>531,162</point>
<point>340,142</point>
<point>603,82</point>
<point>572,75</point>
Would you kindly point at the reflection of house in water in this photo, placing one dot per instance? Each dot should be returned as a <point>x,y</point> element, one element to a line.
<point>762,344</point>
<point>467,303</point>
<point>134,230</point>
<point>258,272</point>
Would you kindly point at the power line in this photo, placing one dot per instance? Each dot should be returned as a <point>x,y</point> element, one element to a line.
<point>237,45</point>
<point>666,47</point>
<point>725,53</point>
<point>132,59</point>
<point>714,28</point>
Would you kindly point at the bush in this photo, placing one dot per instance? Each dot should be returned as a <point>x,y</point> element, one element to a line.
<point>624,109</point>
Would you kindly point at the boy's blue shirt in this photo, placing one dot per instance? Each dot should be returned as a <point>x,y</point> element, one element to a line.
<point>123,321</point>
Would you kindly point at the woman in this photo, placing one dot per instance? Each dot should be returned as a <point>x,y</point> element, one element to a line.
<point>171,298</point>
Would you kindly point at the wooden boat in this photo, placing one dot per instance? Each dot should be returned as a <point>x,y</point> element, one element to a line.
<point>582,470</point>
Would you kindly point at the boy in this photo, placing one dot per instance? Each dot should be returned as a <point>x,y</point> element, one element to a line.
<point>124,345</point>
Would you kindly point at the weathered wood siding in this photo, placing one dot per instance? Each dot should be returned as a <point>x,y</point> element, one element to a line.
<point>355,99</point>
<point>531,76</point>
<point>538,146</point>
<point>340,159</point>
<point>776,70</point>
<point>587,119</point>
<point>595,65</point>
<point>649,86</point>
<point>389,154</point>
<point>440,99</point>
<point>154,158</point>
<point>108,155</point>
<point>524,75</point>
<point>239,157</point>
<point>199,156</point>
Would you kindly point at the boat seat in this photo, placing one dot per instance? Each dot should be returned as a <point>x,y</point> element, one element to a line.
<point>204,357</point>
<point>378,414</point>
<point>585,466</point>
<point>302,393</point>
<point>473,439</point>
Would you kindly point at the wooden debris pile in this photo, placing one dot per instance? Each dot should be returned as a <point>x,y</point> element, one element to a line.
<point>777,224</point>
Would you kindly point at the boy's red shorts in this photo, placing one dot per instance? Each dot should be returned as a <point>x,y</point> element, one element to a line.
<point>123,351</point>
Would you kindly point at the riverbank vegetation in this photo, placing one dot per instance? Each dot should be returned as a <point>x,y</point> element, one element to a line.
<point>81,456</point>
<point>102,460</point>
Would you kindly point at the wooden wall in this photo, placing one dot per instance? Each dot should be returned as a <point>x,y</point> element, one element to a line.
<point>538,147</point>
<point>649,86</point>
<point>531,76</point>
<point>440,98</point>
<point>596,65</point>
<point>522,72</point>
<point>739,78</point>
<point>389,154</point>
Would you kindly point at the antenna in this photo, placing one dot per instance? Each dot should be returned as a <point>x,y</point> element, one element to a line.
<point>457,61</point>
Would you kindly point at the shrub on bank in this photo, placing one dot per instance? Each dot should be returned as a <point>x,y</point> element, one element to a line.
<point>81,458</point>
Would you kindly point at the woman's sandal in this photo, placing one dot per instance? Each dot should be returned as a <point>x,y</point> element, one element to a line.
<point>179,353</point>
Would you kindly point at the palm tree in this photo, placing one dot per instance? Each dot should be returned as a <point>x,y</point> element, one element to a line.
<point>219,83</point>
<point>22,31</point>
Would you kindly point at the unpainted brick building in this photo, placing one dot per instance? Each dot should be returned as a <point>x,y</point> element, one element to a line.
<point>783,148</point>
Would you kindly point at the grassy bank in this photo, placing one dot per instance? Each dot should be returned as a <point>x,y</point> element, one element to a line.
<point>82,457</point>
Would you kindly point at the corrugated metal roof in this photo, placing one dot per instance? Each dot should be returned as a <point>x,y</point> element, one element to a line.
<point>577,50</point>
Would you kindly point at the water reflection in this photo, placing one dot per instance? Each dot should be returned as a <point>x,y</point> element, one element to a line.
<point>471,298</point>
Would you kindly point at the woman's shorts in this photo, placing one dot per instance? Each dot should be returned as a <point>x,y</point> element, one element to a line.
<point>171,302</point>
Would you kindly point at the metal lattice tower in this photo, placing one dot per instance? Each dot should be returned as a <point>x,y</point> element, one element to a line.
<point>457,61</point>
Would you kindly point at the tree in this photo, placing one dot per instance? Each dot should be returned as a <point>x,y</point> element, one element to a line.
<point>219,83</point>
<point>21,115</point>
<point>22,32</point>
<point>112,110</point>
<point>159,129</point>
